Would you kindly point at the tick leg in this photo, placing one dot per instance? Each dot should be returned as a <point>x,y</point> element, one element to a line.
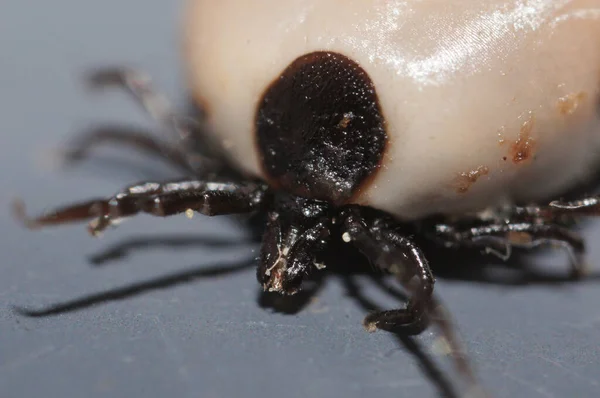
<point>157,199</point>
<point>584,206</point>
<point>388,250</point>
<point>560,212</point>
<point>139,85</point>
<point>499,239</point>
<point>381,242</point>
<point>133,138</point>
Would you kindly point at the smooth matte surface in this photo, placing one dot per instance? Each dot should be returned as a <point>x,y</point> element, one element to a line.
<point>210,337</point>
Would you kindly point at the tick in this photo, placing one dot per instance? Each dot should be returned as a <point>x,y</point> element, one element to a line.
<point>464,122</point>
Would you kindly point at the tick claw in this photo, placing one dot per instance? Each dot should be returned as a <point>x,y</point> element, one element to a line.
<point>20,214</point>
<point>97,226</point>
<point>369,325</point>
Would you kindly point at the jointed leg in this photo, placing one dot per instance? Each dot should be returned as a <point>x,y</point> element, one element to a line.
<point>158,199</point>
<point>383,245</point>
<point>585,206</point>
<point>498,238</point>
<point>133,138</point>
<point>139,85</point>
<point>387,249</point>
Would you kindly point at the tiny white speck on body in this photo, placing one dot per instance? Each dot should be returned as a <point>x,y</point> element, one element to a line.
<point>346,237</point>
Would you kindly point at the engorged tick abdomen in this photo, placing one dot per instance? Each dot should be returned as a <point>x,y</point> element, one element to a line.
<point>486,102</point>
<point>319,129</point>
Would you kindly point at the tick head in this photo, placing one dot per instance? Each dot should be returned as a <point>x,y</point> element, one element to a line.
<point>296,233</point>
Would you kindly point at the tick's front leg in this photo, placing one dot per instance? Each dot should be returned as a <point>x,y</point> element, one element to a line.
<point>389,250</point>
<point>384,245</point>
<point>158,199</point>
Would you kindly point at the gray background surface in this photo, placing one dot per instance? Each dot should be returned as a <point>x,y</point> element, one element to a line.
<point>211,337</point>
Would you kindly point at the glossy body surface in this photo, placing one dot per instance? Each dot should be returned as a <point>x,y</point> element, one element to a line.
<point>189,319</point>
<point>485,102</point>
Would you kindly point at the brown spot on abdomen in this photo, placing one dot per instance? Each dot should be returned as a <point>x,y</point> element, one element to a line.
<point>463,181</point>
<point>523,148</point>
<point>568,104</point>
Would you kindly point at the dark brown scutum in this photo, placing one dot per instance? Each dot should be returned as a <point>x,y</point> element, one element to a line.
<point>320,129</point>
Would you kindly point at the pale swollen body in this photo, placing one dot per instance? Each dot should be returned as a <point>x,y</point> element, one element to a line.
<point>486,102</point>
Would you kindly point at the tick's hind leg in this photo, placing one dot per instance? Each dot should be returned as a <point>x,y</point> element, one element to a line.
<point>158,199</point>
<point>499,237</point>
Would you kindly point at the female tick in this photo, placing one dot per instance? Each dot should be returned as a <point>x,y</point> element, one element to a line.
<point>369,120</point>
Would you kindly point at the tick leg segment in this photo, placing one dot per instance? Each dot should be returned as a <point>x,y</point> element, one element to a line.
<point>498,238</point>
<point>139,85</point>
<point>585,206</point>
<point>133,138</point>
<point>376,238</point>
<point>158,199</point>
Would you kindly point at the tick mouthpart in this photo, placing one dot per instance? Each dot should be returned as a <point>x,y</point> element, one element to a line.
<point>276,274</point>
